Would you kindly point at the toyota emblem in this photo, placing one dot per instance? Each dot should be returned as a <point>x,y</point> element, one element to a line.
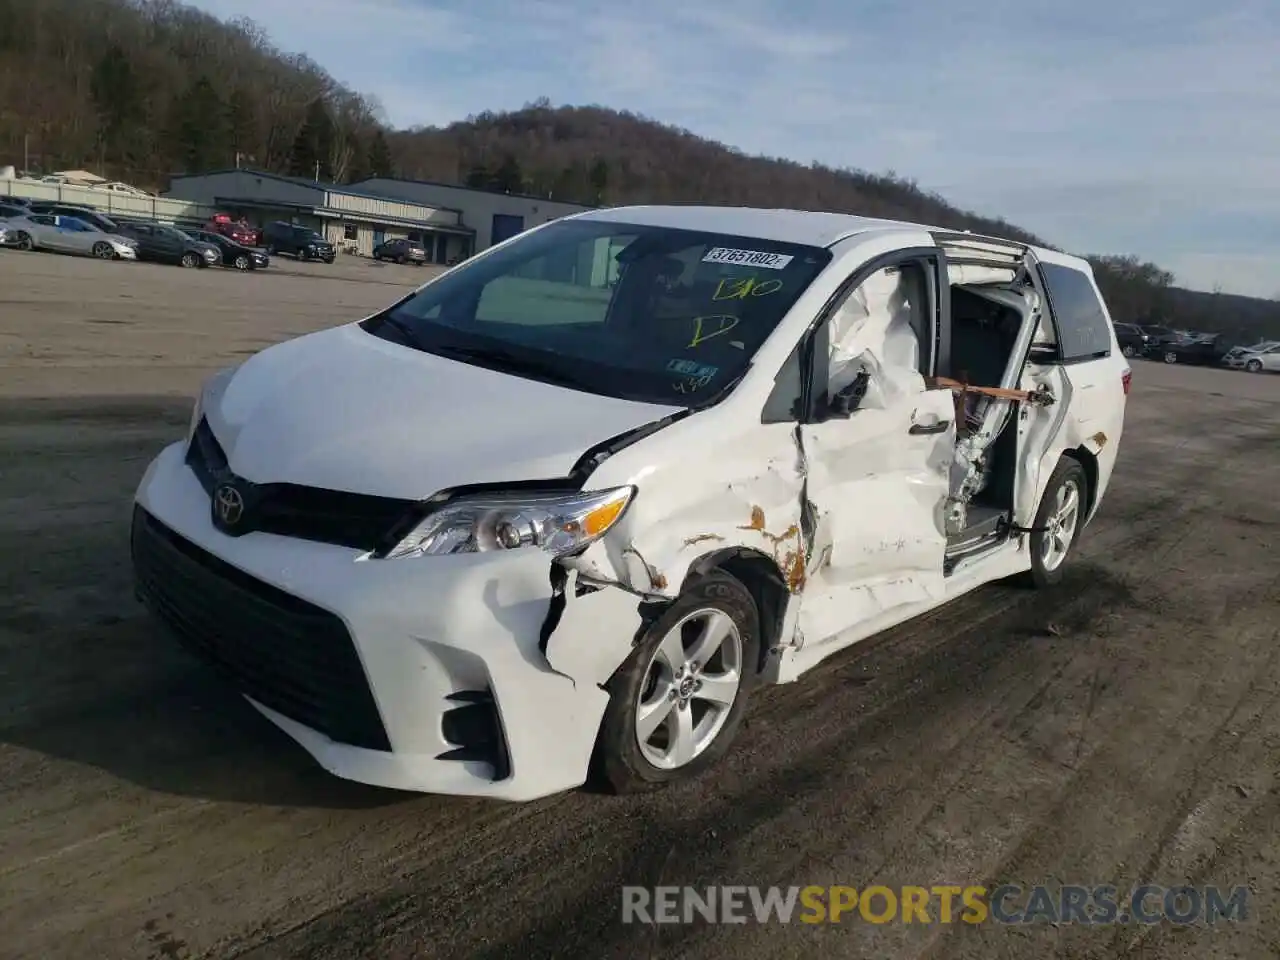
<point>228,503</point>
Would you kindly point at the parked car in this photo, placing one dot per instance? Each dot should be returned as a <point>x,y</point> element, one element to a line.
<point>233,254</point>
<point>1198,348</point>
<point>1131,338</point>
<point>8,210</point>
<point>79,211</point>
<point>1255,359</point>
<point>45,231</point>
<point>301,242</point>
<point>401,250</point>
<point>736,460</point>
<point>161,243</point>
<point>238,230</point>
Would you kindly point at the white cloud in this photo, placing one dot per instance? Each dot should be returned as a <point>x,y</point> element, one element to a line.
<point>1100,126</point>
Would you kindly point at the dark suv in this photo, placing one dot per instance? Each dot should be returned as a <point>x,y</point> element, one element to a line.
<point>1131,339</point>
<point>301,242</point>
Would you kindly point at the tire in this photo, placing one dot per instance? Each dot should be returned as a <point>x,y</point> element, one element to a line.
<point>1254,366</point>
<point>1170,357</point>
<point>621,762</point>
<point>103,251</point>
<point>22,241</point>
<point>242,263</point>
<point>189,261</point>
<point>1128,351</point>
<point>1051,548</point>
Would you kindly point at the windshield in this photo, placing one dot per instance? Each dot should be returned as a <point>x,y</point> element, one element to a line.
<point>641,313</point>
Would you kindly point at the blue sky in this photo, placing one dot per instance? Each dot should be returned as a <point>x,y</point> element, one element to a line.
<point>1101,125</point>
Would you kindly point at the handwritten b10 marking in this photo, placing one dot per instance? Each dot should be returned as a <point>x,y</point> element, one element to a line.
<point>739,288</point>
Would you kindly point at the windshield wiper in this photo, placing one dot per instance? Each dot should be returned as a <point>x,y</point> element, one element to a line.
<point>402,327</point>
<point>517,363</point>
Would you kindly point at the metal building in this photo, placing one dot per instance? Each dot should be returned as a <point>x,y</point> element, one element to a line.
<point>493,216</point>
<point>351,217</point>
<point>452,222</point>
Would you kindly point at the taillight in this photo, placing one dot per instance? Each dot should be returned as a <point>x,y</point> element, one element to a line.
<point>1125,379</point>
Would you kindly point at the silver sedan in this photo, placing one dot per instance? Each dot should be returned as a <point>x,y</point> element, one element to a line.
<point>46,231</point>
<point>1255,359</point>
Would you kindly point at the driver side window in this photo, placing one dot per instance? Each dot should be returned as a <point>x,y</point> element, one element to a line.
<point>876,331</point>
<point>874,344</point>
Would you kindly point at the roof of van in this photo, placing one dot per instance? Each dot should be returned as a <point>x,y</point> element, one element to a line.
<point>808,227</point>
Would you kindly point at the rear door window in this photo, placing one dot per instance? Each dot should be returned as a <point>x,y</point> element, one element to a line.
<point>1078,313</point>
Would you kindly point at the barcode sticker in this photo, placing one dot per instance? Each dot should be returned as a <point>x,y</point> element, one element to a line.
<point>747,258</point>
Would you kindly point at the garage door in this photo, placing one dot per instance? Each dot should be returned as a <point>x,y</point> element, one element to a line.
<point>505,226</point>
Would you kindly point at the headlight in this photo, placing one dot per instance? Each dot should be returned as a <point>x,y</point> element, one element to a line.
<point>558,524</point>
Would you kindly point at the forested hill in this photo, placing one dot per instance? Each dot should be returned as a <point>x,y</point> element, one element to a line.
<point>141,89</point>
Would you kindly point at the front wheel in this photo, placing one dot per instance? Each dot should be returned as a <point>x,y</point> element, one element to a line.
<point>190,261</point>
<point>23,241</point>
<point>242,262</point>
<point>103,251</point>
<point>1128,351</point>
<point>1170,357</point>
<point>677,701</point>
<point>1254,366</point>
<point>1058,522</point>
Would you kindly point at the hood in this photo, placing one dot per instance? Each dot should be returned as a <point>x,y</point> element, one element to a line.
<point>344,410</point>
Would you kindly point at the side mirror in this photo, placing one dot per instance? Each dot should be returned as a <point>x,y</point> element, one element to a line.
<point>847,399</point>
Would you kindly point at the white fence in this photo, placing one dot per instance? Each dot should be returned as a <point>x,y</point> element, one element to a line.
<point>110,201</point>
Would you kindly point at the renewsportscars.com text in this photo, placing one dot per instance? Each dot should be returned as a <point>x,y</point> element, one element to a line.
<point>1008,904</point>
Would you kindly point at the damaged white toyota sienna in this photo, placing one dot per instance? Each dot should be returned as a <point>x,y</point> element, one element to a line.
<point>561,508</point>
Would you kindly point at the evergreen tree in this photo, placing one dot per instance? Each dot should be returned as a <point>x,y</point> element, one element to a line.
<point>198,132</point>
<point>313,145</point>
<point>117,99</point>
<point>379,162</point>
<point>599,177</point>
<point>508,177</point>
<point>241,122</point>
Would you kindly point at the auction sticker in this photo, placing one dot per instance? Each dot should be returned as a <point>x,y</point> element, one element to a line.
<point>747,258</point>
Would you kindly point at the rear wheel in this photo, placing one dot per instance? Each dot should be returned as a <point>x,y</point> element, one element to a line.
<point>103,251</point>
<point>1058,522</point>
<point>190,261</point>
<point>1254,366</point>
<point>677,701</point>
<point>1170,357</point>
<point>1128,351</point>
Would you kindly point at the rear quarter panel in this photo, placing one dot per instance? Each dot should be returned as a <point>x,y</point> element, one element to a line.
<point>1094,422</point>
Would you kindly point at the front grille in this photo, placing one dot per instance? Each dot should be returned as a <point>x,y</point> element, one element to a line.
<point>289,655</point>
<point>305,513</point>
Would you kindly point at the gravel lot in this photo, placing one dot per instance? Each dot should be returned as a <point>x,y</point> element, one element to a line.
<point>1122,728</point>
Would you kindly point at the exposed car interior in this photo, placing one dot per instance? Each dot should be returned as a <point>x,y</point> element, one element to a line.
<point>875,347</point>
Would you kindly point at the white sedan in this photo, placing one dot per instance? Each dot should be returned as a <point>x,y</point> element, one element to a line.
<point>45,231</point>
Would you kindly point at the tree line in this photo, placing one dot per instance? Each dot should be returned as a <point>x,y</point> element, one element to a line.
<point>141,89</point>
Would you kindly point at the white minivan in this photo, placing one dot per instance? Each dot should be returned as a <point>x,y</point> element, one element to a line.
<point>561,508</point>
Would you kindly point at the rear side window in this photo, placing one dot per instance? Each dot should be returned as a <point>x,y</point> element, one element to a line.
<point>1083,331</point>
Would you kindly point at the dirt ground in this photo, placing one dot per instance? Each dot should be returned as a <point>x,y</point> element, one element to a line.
<point>1122,728</point>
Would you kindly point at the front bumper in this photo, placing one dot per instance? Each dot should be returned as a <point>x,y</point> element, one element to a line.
<point>420,674</point>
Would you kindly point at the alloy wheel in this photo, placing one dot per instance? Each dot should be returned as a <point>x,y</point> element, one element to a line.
<point>689,688</point>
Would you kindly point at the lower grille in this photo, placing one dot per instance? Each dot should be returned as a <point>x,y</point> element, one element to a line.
<point>287,654</point>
